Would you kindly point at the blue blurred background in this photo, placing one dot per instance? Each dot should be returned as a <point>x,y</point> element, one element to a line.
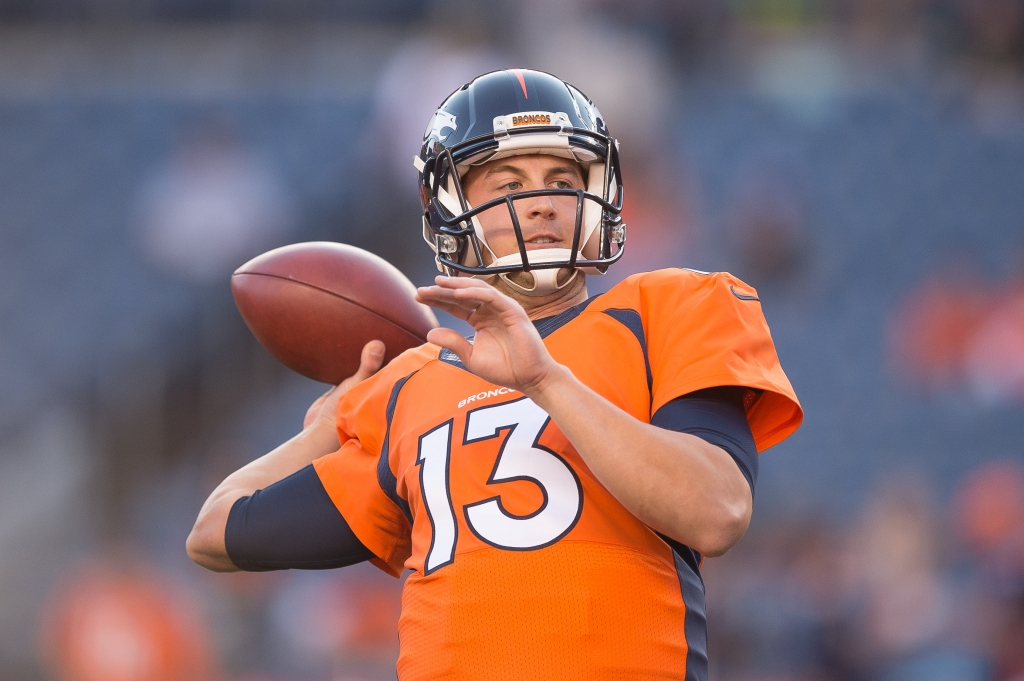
<point>860,162</point>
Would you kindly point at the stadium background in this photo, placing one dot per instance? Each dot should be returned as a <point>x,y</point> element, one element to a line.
<point>861,162</point>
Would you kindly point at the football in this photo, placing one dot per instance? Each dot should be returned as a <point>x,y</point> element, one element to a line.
<point>315,305</point>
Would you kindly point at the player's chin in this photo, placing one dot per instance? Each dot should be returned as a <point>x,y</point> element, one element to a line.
<point>525,279</point>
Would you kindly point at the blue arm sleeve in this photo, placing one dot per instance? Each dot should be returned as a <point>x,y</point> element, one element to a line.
<point>715,415</point>
<point>291,524</point>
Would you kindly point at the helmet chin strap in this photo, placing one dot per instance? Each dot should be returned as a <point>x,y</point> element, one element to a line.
<point>545,281</point>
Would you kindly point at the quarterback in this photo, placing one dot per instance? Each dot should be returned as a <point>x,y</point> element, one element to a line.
<point>554,482</point>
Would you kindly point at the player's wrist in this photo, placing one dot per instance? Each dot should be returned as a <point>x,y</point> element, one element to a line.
<point>321,436</point>
<point>552,382</point>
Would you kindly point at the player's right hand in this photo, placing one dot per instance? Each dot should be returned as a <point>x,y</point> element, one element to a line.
<point>506,350</point>
<point>323,412</point>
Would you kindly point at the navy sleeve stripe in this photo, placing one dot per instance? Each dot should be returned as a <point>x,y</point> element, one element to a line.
<point>632,321</point>
<point>292,524</point>
<point>385,478</point>
<point>715,415</point>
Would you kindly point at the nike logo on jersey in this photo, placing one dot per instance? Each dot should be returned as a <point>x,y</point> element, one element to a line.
<point>741,296</point>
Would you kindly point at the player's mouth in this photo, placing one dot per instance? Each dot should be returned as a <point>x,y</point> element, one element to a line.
<point>541,241</point>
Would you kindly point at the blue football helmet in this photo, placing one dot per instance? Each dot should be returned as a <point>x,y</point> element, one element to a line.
<point>509,113</point>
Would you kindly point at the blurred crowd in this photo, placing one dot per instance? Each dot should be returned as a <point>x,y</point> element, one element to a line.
<point>957,332</point>
<point>905,588</point>
<point>860,162</point>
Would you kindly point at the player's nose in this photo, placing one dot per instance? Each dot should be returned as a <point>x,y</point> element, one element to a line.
<point>539,207</point>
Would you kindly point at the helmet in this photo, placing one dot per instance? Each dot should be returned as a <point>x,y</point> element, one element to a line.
<point>510,113</point>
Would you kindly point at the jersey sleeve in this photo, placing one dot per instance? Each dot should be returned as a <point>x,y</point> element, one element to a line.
<point>707,330</point>
<point>292,524</point>
<point>352,475</point>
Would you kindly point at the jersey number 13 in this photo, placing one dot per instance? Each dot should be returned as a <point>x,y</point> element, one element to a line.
<point>519,458</point>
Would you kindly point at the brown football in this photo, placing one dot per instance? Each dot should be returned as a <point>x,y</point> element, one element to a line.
<point>315,305</point>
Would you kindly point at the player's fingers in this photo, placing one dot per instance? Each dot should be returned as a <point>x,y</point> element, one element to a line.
<point>441,292</point>
<point>488,301</point>
<point>460,282</point>
<point>453,340</point>
<point>431,294</point>
<point>477,308</point>
<point>445,300</point>
<point>473,297</point>
<point>462,287</point>
<point>452,308</point>
<point>466,308</point>
<point>487,295</point>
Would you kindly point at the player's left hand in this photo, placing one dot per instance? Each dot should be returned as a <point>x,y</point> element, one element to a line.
<point>325,408</point>
<point>507,349</point>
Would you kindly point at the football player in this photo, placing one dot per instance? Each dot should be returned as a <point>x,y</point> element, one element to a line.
<point>553,482</point>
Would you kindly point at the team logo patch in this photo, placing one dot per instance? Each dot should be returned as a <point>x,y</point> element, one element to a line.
<point>440,121</point>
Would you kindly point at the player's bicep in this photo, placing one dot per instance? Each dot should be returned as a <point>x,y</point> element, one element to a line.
<point>292,524</point>
<point>716,415</point>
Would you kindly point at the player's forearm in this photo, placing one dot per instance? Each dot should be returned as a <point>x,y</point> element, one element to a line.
<point>205,544</point>
<point>676,483</point>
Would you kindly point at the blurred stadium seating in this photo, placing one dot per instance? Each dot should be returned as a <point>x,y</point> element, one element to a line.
<point>858,161</point>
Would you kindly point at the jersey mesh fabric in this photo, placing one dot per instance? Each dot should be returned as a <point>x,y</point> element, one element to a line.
<point>532,591</point>
<point>591,611</point>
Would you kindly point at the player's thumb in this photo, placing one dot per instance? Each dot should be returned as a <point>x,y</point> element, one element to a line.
<point>370,360</point>
<point>452,340</point>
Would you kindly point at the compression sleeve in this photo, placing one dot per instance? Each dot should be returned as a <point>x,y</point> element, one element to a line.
<point>291,524</point>
<point>715,415</point>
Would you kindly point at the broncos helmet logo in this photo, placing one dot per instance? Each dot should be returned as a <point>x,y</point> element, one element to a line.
<point>440,121</point>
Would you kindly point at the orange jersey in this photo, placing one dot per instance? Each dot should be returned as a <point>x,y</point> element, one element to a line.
<point>524,565</point>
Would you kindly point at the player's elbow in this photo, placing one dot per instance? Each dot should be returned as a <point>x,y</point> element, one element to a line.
<point>194,546</point>
<point>205,544</point>
<point>727,526</point>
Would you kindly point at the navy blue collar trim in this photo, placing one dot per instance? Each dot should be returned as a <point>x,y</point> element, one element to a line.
<point>548,325</point>
<point>449,357</point>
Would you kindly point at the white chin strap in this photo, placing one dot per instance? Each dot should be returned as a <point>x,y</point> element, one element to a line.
<point>544,281</point>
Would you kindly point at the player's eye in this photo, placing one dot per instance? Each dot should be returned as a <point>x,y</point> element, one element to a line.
<point>562,184</point>
<point>512,186</point>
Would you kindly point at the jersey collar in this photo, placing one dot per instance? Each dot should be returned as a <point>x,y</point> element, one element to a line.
<point>548,325</point>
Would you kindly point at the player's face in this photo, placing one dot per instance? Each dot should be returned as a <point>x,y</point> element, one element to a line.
<point>546,221</point>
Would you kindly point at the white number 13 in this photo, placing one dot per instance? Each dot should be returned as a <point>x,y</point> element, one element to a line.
<point>520,458</point>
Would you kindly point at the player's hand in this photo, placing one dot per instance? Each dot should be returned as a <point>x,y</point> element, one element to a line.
<point>507,349</point>
<point>323,412</point>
